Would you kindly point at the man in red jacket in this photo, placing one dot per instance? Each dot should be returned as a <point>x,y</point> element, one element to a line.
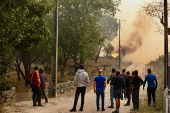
<point>35,85</point>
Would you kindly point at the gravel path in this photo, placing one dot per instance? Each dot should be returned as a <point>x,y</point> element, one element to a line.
<point>63,103</point>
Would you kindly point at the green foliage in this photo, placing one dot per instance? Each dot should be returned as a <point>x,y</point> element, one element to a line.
<point>110,27</point>
<point>108,49</point>
<point>22,27</point>
<point>80,36</point>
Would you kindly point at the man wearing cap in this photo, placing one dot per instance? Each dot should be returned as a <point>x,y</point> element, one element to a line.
<point>152,86</point>
<point>136,83</point>
<point>111,87</point>
<point>81,79</point>
<point>99,87</point>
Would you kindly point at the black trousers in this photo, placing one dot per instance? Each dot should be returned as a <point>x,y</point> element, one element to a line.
<point>79,90</point>
<point>135,99</point>
<point>36,94</point>
<point>128,94</point>
<point>151,90</point>
<point>45,95</point>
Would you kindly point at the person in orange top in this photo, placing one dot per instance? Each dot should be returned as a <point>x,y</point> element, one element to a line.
<point>35,85</point>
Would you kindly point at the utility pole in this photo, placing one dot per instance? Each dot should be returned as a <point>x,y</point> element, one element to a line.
<point>165,44</point>
<point>119,44</point>
<point>54,57</point>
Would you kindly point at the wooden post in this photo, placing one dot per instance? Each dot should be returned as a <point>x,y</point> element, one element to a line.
<point>54,57</point>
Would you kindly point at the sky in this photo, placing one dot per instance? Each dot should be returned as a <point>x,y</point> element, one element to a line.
<point>152,42</point>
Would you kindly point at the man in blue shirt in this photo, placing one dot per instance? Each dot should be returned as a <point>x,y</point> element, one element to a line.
<point>151,80</point>
<point>99,87</point>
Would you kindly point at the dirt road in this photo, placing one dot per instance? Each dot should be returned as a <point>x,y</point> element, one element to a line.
<point>63,103</point>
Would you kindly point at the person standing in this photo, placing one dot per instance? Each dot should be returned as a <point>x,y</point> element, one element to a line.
<point>35,85</point>
<point>128,87</point>
<point>133,73</point>
<point>81,78</point>
<point>136,83</point>
<point>118,82</point>
<point>111,87</point>
<point>152,86</point>
<point>99,87</point>
<point>124,76</point>
<point>43,84</point>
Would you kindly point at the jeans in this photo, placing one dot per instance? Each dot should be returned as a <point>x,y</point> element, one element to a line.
<point>151,90</point>
<point>79,90</point>
<point>98,93</point>
<point>111,95</point>
<point>36,93</point>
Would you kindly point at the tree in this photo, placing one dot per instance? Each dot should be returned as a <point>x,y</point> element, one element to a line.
<point>22,27</point>
<point>155,10</point>
<point>108,49</point>
<point>110,28</point>
<point>78,27</point>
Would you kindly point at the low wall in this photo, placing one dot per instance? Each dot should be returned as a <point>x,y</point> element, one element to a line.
<point>7,97</point>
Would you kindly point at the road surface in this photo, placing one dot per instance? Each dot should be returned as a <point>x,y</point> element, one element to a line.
<point>63,103</point>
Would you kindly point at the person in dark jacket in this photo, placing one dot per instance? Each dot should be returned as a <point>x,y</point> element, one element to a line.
<point>111,87</point>
<point>124,76</point>
<point>128,87</point>
<point>118,82</point>
<point>43,85</point>
<point>136,83</point>
<point>152,86</point>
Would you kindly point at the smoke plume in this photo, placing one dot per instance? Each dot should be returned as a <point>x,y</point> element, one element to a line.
<point>141,28</point>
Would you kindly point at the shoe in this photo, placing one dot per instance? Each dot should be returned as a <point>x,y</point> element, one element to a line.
<point>126,104</point>
<point>148,105</point>
<point>80,109</point>
<point>40,105</point>
<point>116,111</point>
<point>132,109</point>
<point>98,109</point>
<point>154,104</point>
<point>111,107</point>
<point>34,104</point>
<point>72,110</point>
<point>103,109</point>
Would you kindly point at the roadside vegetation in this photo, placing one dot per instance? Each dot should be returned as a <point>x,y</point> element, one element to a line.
<point>158,70</point>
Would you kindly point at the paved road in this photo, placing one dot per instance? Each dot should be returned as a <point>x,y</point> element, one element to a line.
<point>63,103</point>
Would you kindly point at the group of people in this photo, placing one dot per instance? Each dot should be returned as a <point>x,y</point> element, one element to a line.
<point>120,84</point>
<point>38,84</point>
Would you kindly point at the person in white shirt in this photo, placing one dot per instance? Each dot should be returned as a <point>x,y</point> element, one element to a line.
<point>81,78</point>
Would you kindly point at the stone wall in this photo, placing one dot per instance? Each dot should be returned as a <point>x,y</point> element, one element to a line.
<point>7,97</point>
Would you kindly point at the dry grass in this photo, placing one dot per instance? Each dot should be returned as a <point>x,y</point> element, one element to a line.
<point>24,93</point>
<point>158,70</point>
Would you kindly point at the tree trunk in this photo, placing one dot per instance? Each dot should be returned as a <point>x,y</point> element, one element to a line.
<point>98,54</point>
<point>16,67</point>
<point>25,60</point>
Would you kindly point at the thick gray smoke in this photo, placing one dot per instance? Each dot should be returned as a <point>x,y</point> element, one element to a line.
<point>142,27</point>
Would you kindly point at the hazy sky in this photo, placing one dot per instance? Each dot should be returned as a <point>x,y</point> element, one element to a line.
<point>153,43</point>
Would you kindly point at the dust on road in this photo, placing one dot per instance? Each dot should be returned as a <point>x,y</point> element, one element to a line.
<point>64,103</point>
